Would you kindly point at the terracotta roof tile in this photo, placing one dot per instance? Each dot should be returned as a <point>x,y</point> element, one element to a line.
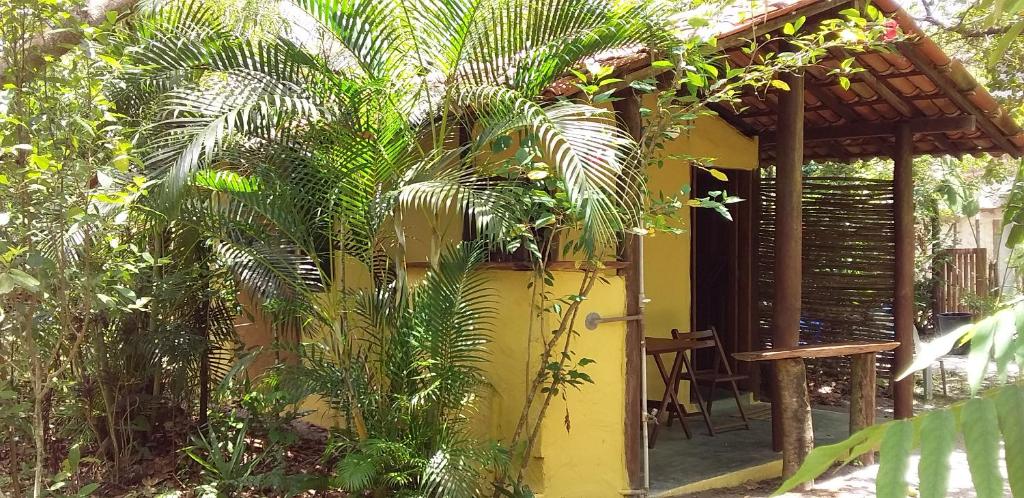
<point>926,81</point>
<point>922,79</point>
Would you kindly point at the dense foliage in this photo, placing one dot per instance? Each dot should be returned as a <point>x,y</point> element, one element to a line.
<point>185,157</point>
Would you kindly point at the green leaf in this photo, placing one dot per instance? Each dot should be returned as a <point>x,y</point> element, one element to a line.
<point>1010,407</point>
<point>893,459</point>
<point>26,281</point>
<point>695,79</point>
<point>780,85</point>
<point>114,63</point>
<point>938,431</point>
<point>718,174</point>
<point>1003,43</point>
<point>1015,237</point>
<point>74,456</point>
<point>107,300</point>
<point>88,489</point>
<point>982,337</point>
<point>1002,342</point>
<point>39,161</point>
<point>981,437</point>
<point>822,458</point>
<point>934,349</point>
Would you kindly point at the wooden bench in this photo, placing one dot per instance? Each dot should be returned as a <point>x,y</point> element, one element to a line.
<point>790,378</point>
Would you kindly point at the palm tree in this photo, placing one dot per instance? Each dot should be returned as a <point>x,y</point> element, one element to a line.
<point>303,167</point>
<point>371,131</point>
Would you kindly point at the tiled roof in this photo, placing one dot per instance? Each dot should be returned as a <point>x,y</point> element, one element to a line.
<point>914,80</point>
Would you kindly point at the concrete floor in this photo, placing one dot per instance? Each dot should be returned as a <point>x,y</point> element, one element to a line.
<point>676,461</point>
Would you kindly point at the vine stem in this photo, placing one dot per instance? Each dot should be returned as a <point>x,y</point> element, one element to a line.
<point>565,325</point>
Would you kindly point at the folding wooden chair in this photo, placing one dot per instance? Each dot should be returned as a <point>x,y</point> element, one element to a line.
<point>719,372</point>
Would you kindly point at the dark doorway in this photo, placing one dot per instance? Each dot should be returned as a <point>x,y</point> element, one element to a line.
<point>722,252</point>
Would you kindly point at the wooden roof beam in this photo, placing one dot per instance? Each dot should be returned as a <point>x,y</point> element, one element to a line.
<point>887,92</point>
<point>880,87</point>
<point>834,104</point>
<point>943,81</point>
<point>882,129</point>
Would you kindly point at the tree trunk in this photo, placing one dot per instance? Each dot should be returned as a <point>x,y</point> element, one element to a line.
<point>797,433</point>
<point>862,397</point>
<point>204,358</point>
<point>109,402</point>
<point>57,42</point>
<point>38,440</point>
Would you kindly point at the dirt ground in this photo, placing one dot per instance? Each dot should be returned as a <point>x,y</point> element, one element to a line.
<point>856,481</point>
<point>860,481</point>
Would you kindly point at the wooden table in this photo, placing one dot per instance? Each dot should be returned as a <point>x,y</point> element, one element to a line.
<point>790,378</point>
<point>657,346</point>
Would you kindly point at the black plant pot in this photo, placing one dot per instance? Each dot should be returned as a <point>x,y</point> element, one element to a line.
<point>948,322</point>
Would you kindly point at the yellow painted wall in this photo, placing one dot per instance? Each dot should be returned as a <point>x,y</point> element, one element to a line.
<point>712,138</point>
<point>587,459</point>
<point>667,257</point>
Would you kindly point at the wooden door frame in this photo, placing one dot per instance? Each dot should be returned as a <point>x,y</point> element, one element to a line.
<point>743,268</point>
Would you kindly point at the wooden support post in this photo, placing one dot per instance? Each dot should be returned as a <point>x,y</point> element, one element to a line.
<point>983,287</point>
<point>862,397</point>
<point>798,436</point>
<point>788,237</point>
<point>627,110</point>
<point>903,309</point>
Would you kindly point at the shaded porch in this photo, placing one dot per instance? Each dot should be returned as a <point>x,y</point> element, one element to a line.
<point>680,465</point>
<point>913,101</point>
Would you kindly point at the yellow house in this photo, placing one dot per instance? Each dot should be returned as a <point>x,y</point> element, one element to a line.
<point>592,442</point>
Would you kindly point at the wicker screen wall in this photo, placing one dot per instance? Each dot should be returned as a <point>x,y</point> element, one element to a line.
<point>848,264</point>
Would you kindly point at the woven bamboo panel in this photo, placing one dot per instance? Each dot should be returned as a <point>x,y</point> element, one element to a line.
<point>848,264</point>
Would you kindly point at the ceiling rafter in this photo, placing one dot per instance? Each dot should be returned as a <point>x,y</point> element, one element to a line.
<point>857,130</point>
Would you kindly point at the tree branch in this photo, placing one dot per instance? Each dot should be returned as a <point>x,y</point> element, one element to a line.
<point>960,27</point>
<point>57,42</point>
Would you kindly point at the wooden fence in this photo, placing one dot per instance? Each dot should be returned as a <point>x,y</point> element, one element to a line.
<point>960,273</point>
<point>848,263</point>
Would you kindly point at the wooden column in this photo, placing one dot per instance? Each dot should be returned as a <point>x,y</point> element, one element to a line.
<point>862,397</point>
<point>788,245</point>
<point>628,112</point>
<point>903,308</point>
<point>795,404</point>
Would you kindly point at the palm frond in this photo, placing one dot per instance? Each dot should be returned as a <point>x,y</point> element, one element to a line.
<point>370,30</point>
<point>584,145</point>
<point>453,309</point>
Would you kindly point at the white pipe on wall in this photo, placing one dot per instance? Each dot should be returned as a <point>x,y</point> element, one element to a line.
<point>643,362</point>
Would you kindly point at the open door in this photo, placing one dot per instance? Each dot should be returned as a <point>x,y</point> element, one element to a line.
<point>722,266</point>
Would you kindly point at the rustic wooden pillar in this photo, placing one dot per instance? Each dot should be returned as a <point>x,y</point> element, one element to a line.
<point>798,435</point>
<point>862,397</point>
<point>983,286</point>
<point>627,109</point>
<point>788,236</point>
<point>903,309</point>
